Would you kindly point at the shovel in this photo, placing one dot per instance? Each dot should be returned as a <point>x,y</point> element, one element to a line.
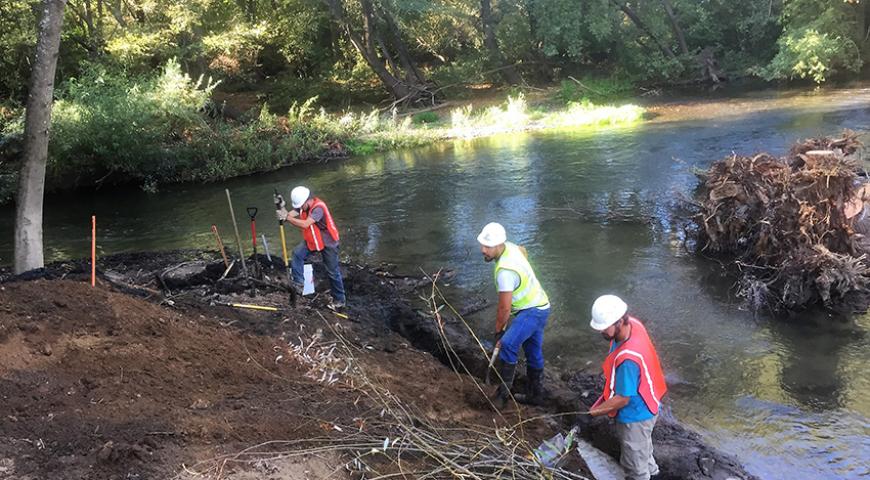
<point>492,362</point>
<point>279,204</point>
<point>252,213</point>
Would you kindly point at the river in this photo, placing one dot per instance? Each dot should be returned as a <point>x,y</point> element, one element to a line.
<point>790,398</point>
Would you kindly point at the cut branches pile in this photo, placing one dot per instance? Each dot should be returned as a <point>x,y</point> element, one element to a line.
<point>782,221</point>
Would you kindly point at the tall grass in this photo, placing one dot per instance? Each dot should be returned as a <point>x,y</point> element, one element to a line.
<point>109,127</point>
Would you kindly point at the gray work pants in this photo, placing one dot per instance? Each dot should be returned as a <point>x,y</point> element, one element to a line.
<point>637,449</point>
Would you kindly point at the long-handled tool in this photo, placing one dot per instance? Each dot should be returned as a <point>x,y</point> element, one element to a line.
<point>238,237</point>
<point>492,361</point>
<point>248,306</point>
<point>252,212</point>
<point>280,204</point>
<point>220,244</point>
<point>266,248</point>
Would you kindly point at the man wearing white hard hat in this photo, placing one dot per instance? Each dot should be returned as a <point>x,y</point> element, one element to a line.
<point>319,234</point>
<point>520,294</point>
<point>633,384</point>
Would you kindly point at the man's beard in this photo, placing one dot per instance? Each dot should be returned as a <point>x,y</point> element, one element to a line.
<point>608,337</point>
<point>487,258</point>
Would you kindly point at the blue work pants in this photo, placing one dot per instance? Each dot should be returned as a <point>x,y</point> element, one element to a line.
<point>526,331</point>
<point>330,261</point>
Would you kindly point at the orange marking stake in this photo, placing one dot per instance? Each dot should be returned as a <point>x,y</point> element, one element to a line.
<point>93,250</point>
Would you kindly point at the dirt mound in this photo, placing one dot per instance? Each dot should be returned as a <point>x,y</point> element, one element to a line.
<point>101,384</point>
<point>782,223</point>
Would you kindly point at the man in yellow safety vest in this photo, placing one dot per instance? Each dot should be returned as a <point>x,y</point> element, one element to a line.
<point>519,294</point>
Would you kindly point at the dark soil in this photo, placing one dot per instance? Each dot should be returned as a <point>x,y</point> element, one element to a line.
<point>132,379</point>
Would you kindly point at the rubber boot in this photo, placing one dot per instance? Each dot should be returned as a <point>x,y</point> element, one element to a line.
<point>534,388</point>
<point>506,371</point>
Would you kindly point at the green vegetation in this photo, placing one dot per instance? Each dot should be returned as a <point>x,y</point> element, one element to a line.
<point>156,91</point>
<point>157,129</point>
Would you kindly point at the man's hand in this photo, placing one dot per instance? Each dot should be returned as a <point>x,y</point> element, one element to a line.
<point>294,213</point>
<point>614,403</point>
<point>281,214</point>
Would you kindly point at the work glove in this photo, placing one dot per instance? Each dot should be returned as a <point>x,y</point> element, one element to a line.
<point>281,214</point>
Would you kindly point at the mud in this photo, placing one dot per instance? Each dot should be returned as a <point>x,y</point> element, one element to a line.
<point>144,378</point>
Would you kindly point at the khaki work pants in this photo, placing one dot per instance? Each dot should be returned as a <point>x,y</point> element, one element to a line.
<point>637,449</point>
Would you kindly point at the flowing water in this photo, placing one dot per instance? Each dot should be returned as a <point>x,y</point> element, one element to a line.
<point>791,399</point>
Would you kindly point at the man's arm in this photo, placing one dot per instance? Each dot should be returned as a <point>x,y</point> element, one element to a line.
<point>301,223</point>
<point>315,216</point>
<point>626,385</point>
<point>611,404</point>
<point>504,311</point>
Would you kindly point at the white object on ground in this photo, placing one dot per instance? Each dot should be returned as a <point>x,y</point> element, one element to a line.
<point>602,465</point>
<point>308,276</point>
<point>551,451</point>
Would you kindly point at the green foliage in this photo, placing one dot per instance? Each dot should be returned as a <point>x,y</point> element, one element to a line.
<point>105,122</point>
<point>596,89</point>
<point>817,42</point>
<point>814,55</point>
<point>18,38</point>
<point>425,118</point>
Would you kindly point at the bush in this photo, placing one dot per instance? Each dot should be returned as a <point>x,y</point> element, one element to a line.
<point>818,42</point>
<point>425,118</point>
<point>814,55</point>
<point>596,90</point>
<point>105,122</point>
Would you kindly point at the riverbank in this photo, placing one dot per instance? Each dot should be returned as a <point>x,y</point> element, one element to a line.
<point>171,129</point>
<point>148,374</point>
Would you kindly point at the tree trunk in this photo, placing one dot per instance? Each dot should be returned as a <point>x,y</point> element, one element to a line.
<point>115,8</point>
<point>675,26</point>
<point>366,46</point>
<point>412,73</point>
<point>31,184</point>
<point>510,74</point>
<point>632,15</point>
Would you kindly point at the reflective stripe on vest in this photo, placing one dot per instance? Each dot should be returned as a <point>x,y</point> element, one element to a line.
<point>529,293</point>
<point>313,235</point>
<point>640,349</point>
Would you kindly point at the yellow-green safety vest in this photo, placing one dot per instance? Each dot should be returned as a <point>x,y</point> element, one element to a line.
<point>529,294</point>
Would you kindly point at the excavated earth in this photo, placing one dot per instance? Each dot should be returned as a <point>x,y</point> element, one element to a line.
<point>148,375</point>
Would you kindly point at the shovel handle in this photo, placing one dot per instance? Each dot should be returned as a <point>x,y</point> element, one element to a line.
<point>252,212</point>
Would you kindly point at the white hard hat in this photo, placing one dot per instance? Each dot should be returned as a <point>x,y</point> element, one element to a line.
<point>298,196</point>
<point>492,235</point>
<point>606,310</point>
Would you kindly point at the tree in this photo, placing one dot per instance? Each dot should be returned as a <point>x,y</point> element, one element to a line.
<point>675,26</point>
<point>641,25</point>
<point>31,185</point>
<point>370,44</point>
<point>509,72</point>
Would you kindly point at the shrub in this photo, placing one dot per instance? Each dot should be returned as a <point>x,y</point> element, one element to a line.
<point>595,89</point>
<point>105,122</point>
<point>814,55</point>
<point>425,118</point>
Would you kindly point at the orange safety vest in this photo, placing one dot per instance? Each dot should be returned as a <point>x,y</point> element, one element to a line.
<point>312,235</point>
<point>640,349</point>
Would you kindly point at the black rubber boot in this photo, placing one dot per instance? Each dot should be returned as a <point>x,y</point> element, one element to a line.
<point>506,371</point>
<point>534,388</point>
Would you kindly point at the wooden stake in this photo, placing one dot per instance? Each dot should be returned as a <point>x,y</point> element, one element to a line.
<point>93,250</point>
<point>238,237</point>
<point>217,237</point>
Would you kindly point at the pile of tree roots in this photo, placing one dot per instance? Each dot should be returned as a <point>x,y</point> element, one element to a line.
<point>781,222</point>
